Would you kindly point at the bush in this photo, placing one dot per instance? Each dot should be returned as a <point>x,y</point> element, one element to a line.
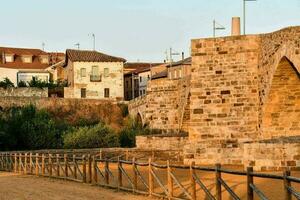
<point>6,83</point>
<point>29,128</point>
<point>98,136</point>
<point>22,84</point>
<point>132,128</point>
<point>124,109</point>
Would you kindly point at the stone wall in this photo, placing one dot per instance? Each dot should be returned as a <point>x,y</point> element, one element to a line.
<point>262,156</point>
<point>224,89</point>
<point>24,92</point>
<point>165,106</point>
<point>71,110</point>
<point>161,143</point>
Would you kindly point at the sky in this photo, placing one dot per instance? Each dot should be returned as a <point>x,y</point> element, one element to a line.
<point>137,30</point>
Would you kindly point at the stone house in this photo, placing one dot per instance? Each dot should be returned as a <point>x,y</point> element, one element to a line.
<point>93,75</point>
<point>20,64</point>
<point>136,79</point>
<point>180,69</point>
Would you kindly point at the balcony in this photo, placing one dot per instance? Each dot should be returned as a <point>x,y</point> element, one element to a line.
<point>95,78</point>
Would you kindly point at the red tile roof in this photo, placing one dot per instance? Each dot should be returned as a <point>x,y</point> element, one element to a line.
<point>18,53</point>
<point>187,61</point>
<point>138,67</point>
<point>90,56</point>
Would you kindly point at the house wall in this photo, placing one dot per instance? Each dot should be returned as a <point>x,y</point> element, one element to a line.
<point>9,73</point>
<point>185,71</point>
<point>95,90</point>
<point>24,92</point>
<point>143,80</point>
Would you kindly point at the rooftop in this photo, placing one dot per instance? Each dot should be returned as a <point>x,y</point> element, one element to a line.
<point>90,56</point>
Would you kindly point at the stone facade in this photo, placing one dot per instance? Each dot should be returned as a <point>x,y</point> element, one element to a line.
<point>242,90</point>
<point>161,143</point>
<point>160,112</point>
<point>24,92</point>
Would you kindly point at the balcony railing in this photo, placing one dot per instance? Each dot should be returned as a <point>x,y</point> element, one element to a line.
<point>95,78</point>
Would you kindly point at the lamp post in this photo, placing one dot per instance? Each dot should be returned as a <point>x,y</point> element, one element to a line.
<point>244,14</point>
<point>217,26</point>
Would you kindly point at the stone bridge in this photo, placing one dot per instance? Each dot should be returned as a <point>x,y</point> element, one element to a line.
<point>242,90</point>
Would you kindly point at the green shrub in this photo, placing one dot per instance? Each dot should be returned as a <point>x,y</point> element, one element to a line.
<point>29,128</point>
<point>6,83</point>
<point>22,84</point>
<point>124,109</point>
<point>98,136</point>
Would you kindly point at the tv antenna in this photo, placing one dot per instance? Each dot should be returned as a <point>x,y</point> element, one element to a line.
<point>77,45</point>
<point>217,27</point>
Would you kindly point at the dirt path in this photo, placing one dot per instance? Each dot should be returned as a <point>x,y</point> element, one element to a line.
<point>18,187</point>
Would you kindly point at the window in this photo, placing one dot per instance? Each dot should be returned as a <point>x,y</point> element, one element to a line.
<point>148,77</point>
<point>170,75</point>
<point>106,92</point>
<point>180,74</point>
<point>175,74</point>
<point>83,92</point>
<point>141,79</point>
<point>141,93</point>
<point>83,72</point>
<point>9,58</point>
<point>144,91</point>
<point>95,70</point>
<point>106,72</point>
<point>95,76</point>
<point>27,59</point>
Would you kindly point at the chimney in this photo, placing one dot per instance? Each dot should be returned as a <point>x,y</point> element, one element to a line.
<point>182,55</point>
<point>236,26</point>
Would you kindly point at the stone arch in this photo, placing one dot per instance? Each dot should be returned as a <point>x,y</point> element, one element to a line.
<point>281,110</point>
<point>139,118</point>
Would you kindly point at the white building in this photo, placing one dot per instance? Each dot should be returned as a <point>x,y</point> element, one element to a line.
<point>20,64</point>
<point>93,75</point>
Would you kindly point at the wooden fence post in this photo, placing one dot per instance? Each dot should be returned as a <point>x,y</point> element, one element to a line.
<point>134,174</point>
<point>66,165</point>
<point>16,163</point>
<point>50,164</point>
<point>192,180</point>
<point>218,184</point>
<point>57,165</point>
<point>83,169</point>
<point>170,181</point>
<point>106,174</point>
<point>43,164</point>
<point>30,164</point>
<point>89,168</point>
<point>25,164</point>
<point>287,184</point>
<point>127,155</point>
<point>120,182</point>
<point>249,182</point>
<point>37,164</point>
<point>95,173</point>
<point>150,176</point>
<point>75,166</point>
<point>100,155</point>
<point>20,163</point>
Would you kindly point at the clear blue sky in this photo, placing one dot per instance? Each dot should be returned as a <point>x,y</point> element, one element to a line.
<point>133,29</point>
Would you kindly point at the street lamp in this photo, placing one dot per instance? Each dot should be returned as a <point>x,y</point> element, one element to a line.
<point>217,26</point>
<point>244,14</point>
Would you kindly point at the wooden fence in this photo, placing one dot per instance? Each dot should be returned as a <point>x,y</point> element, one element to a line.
<point>140,177</point>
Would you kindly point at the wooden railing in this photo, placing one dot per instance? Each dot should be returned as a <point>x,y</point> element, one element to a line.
<point>140,177</point>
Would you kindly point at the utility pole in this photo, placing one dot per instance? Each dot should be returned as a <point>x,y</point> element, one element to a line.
<point>217,26</point>
<point>43,46</point>
<point>173,54</point>
<point>244,14</point>
<point>94,41</point>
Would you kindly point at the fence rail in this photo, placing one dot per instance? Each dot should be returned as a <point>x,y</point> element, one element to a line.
<point>140,177</point>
